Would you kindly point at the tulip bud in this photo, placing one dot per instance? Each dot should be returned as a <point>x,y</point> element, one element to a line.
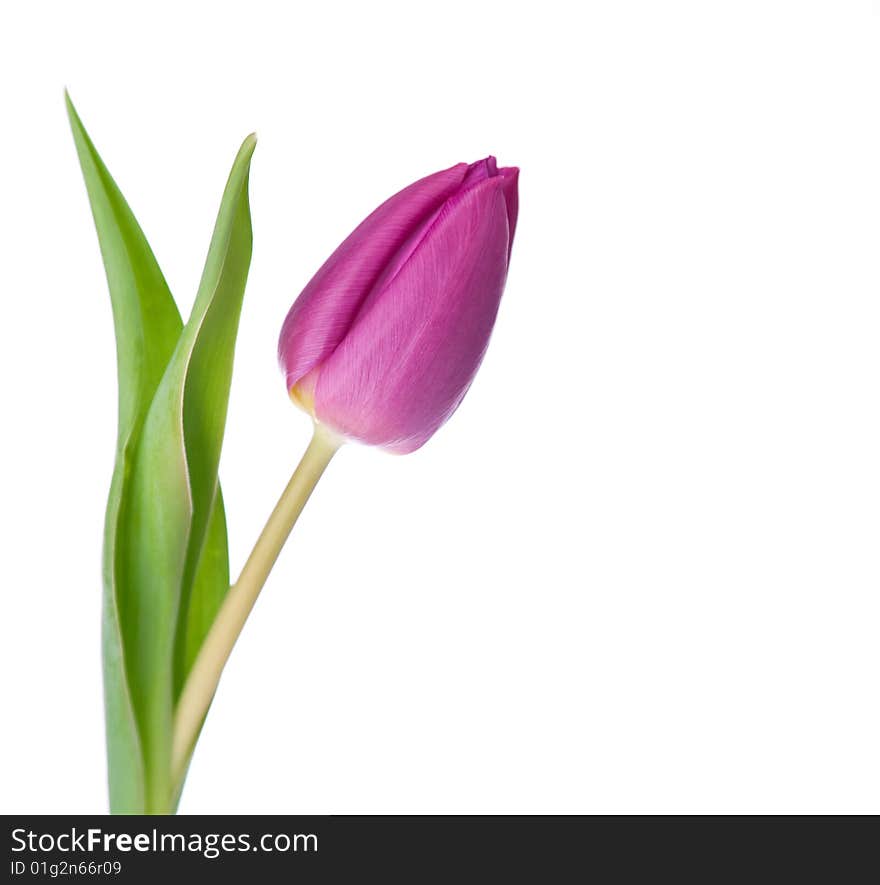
<point>384,341</point>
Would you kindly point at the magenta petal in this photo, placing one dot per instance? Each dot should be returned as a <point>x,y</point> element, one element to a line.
<point>409,357</point>
<point>480,171</point>
<point>510,185</point>
<point>488,168</point>
<point>323,313</point>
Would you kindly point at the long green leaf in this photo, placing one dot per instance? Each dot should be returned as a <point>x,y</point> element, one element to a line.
<point>174,484</point>
<point>148,327</point>
<point>207,592</point>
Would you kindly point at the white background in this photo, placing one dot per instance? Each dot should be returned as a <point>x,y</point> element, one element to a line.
<point>639,569</point>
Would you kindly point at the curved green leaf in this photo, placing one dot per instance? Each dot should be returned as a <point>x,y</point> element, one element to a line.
<point>207,592</point>
<point>149,343</point>
<point>174,483</point>
<point>147,325</point>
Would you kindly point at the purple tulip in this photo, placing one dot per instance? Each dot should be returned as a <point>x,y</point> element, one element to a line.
<point>384,341</point>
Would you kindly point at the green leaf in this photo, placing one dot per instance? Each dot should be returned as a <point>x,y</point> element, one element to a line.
<point>147,325</point>
<point>174,486</point>
<point>148,334</point>
<point>205,596</point>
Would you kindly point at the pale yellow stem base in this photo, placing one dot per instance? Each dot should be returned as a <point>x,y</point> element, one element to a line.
<point>198,692</point>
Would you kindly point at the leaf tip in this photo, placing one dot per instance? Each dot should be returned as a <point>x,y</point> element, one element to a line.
<point>246,150</point>
<point>72,115</point>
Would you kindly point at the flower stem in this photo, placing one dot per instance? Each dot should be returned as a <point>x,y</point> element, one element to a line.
<point>198,692</point>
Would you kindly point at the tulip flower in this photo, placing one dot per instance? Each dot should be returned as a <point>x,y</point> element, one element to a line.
<point>380,347</point>
<point>383,343</point>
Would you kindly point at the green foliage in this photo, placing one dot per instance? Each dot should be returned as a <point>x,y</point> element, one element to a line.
<point>166,566</point>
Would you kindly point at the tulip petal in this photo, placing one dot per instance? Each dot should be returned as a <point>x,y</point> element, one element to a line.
<point>324,312</point>
<point>480,171</point>
<point>410,356</point>
<point>488,168</point>
<point>510,185</point>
